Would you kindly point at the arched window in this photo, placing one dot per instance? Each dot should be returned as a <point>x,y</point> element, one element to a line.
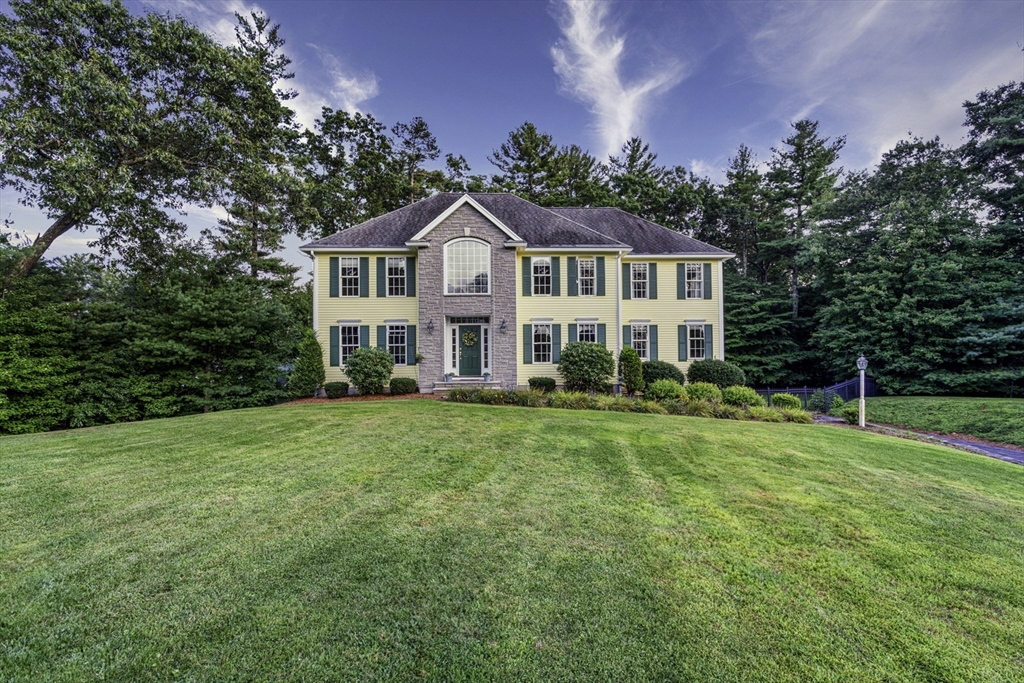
<point>467,267</point>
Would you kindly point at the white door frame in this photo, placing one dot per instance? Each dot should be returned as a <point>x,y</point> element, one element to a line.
<point>451,343</point>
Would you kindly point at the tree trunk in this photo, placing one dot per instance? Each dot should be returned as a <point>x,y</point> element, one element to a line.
<point>39,247</point>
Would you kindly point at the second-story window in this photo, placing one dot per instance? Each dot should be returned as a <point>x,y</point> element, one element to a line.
<point>639,280</point>
<point>541,276</point>
<point>348,268</point>
<point>587,276</point>
<point>396,276</point>
<point>694,281</point>
<point>467,267</point>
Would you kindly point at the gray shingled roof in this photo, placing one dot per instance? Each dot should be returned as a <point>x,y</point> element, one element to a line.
<point>539,227</point>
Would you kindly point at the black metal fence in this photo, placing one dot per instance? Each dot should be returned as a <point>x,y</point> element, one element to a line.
<point>848,390</point>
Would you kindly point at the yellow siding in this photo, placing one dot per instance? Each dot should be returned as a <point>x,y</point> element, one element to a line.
<point>371,310</point>
<point>668,312</point>
<point>563,310</point>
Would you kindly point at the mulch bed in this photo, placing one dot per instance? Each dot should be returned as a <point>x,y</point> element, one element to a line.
<point>375,397</point>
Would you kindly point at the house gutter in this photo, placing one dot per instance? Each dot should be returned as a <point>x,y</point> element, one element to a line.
<point>721,312</point>
<point>618,311</point>
<point>316,308</point>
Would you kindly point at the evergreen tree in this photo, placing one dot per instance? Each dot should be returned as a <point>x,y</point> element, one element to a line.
<point>308,374</point>
<point>527,163</point>
<point>639,184</point>
<point>757,318</point>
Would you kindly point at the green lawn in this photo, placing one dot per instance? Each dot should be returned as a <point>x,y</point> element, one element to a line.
<point>420,539</point>
<point>995,419</point>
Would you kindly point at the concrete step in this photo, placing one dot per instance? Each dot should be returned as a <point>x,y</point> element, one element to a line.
<point>444,387</point>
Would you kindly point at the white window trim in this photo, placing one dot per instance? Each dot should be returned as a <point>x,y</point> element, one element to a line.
<point>341,278</point>
<point>533,343</point>
<point>579,275</point>
<point>341,339</point>
<point>533,276</point>
<point>686,283</point>
<point>633,280</point>
<point>405,331</point>
<point>588,323</point>
<point>690,355</point>
<point>647,342</point>
<point>489,267</point>
<point>387,277</point>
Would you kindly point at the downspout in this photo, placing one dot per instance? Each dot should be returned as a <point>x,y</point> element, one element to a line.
<point>721,312</point>
<point>618,311</point>
<point>316,330</point>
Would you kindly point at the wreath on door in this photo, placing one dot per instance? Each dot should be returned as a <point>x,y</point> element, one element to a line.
<point>469,339</point>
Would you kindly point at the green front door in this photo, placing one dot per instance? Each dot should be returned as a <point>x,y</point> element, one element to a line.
<point>470,343</point>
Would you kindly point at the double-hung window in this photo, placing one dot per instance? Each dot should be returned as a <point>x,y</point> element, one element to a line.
<point>396,276</point>
<point>396,343</point>
<point>639,280</point>
<point>348,340</point>
<point>542,343</point>
<point>639,339</point>
<point>694,281</point>
<point>696,341</point>
<point>542,276</point>
<point>586,332</point>
<point>587,276</point>
<point>348,268</point>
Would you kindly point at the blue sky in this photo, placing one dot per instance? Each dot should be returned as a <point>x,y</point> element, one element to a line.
<point>694,79</point>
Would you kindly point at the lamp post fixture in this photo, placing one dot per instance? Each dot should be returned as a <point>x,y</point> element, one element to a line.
<point>862,365</point>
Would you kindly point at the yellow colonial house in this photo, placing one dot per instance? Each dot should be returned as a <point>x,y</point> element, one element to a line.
<point>486,289</point>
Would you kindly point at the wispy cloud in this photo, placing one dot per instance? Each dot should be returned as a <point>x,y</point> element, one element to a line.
<point>589,60</point>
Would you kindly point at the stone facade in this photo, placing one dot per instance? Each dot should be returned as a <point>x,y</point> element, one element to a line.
<point>435,306</point>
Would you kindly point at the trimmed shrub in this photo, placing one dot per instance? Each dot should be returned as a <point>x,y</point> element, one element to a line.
<point>659,369</point>
<point>585,366</point>
<point>717,372</point>
<point>700,407</point>
<point>816,402</point>
<point>664,390</point>
<point>836,405</point>
<point>850,413</point>
<point>724,411</point>
<point>742,396</point>
<point>308,373</point>
<point>496,397</point>
<point>402,385</point>
<point>570,400</point>
<point>797,415</point>
<point>631,369</point>
<point>702,391</point>
<point>786,401</point>
<point>336,389</point>
<point>762,414</point>
<point>463,395</point>
<point>530,398</point>
<point>545,384</point>
<point>652,407</point>
<point>369,369</point>
<point>617,404</point>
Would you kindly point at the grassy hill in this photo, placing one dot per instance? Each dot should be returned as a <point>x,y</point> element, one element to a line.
<point>995,419</point>
<point>419,539</point>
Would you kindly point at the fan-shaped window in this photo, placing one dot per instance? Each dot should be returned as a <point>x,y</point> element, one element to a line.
<point>467,265</point>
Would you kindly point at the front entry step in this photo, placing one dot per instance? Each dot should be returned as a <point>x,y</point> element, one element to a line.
<point>443,388</point>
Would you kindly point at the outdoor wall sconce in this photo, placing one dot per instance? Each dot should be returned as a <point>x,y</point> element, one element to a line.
<point>430,326</point>
<point>503,328</point>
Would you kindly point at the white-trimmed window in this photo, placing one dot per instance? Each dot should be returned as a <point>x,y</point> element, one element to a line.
<point>348,269</point>
<point>467,264</point>
<point>638,279</point>
<point>541,276</point>
<point>587,268</point>
<point>396,343</point>
<point>696,341</point>
<point>639,339</point>
<point>396,276</point>
<point>586,332</point>
<point>694,281</point>
<point>542,343</point>
<point>348,340</point>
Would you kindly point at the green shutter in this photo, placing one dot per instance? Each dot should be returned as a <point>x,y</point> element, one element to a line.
<point>335,276</point>
<point>335,347</point>
<point>627,336</point>
<point>382,337</point>
<point>652,342</point>
<point>684,339</point>
<point>364,276</point>
<point>574,277</point>
<point>364,336</point>
<point>410,276</point>
<point>382,277</point>
<point>626,282</point>
<point>707,280</point>
<point>709,342</point>
<point>602,334</point>
<point>600,275</point>
<point>410,344</point>
<point>556,342</point>
<point>652,280</point>
<point>527,339</point>
<point>573,332</point>
<point>556,276</point>
<point>527,276</point>
<point>680,281</point>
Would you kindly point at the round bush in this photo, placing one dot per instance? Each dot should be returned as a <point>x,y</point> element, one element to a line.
<point>369,369</point>
<point>545,384</point>
<point>402,385</point>
<point>817,401</point>
<point>742,396</point>
<point>659,369</point>
<point>717,372</point>
<point>631,369</point>
<point>336,389</point>
<point>703,391</point>
<point>586,366</point>
<point>786,401</point>
<point>664,390</point>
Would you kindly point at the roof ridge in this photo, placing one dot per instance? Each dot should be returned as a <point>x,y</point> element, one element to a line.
<point>585,227</point>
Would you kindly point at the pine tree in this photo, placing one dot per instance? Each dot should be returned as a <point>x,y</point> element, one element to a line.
<point>308,374</point>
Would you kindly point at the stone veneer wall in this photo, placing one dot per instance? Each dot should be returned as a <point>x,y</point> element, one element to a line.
<point>434,305</point>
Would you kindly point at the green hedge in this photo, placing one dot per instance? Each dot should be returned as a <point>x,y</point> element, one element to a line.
<point>336,389</point>
<point>402,385</point>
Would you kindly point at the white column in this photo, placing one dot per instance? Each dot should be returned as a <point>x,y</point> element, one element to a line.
<point>861,398</point>
<point>721,312</point>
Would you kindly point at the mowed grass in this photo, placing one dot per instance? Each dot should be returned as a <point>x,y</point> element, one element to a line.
<point>995,419</point>
<point>424,540</point>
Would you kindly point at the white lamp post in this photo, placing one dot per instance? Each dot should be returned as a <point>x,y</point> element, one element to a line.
<point>862,365</point>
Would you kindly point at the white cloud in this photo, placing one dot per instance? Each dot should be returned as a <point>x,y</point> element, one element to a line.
<point>345,90</point>
<point>589,60</point>
<point>215,17</point>
<point>707,169</point>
